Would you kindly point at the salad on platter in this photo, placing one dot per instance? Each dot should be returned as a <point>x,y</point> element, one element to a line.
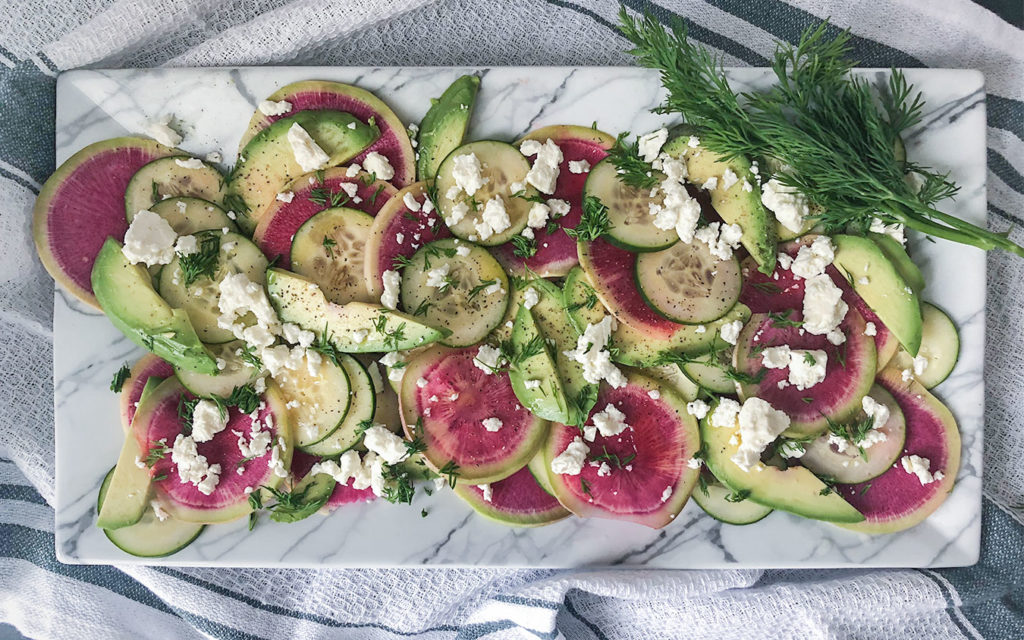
<point>571,324</point>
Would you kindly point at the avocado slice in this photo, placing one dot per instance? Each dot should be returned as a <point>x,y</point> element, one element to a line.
<point>546,399</point>
<point>795,489</point>
<point>736,205</point>
<point>315,490</point>
<point>127,493</point>
<point>444,125</point>
<point>125,293</point>
<point>876,279</point>
<point>300,301</point>
<point>899,258</point>
<point>267,163</point>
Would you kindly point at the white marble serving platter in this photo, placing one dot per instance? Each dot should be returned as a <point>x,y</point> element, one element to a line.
<point>213,107</point>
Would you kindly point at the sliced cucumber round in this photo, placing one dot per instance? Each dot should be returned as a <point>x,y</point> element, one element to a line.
<point>501,166</point>
<point>471,296</point>
<point>187,215</point>
<point>718,501</point>
<point>237,372</point>
<point>237,254</point>
<point>686,284</point>
<point>166,178</point>
<point>329,249</point>
<point>150,537</point>
<point>362,406</point>
<point>629,211</point>
<point>851,466</point>
<point>317,401</point>
<point>709,371</point>
<point>940,346</point>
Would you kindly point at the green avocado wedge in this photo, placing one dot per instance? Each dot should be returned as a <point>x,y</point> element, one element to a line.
<point>444,125</point>
<point>899,258</point>
<point>125,293</point>
<point>534,377</point>
<point>356,327</point>
<point>795,489</point>
<point>878,281</point>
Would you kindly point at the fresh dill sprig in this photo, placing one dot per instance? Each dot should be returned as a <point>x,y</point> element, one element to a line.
<point>248,355</point>
<point>593,223</point>
<point>613,459</point>
<point>201,263</point>
<point>629,166</point>
<point>451,471</point>
<point>398,486</point>
<point>523,247</point>
<point>120,376</point>
<point>329,245</point>
<point>475,291</point>
<point>157,452</point>
<point>780,319</point>
<point>326,197</point>
<point>738,496</point>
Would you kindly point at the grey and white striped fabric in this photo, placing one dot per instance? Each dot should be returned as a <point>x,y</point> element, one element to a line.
<point>48,600</point>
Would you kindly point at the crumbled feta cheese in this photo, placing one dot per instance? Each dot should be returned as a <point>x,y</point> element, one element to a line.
<point>161,131</point>
<point>271,108</point>
<point>836,337</point>
<point>920,364</point>
<point>807,367</point>
<point>570,462</point>
<point>729,178</point>
<point>538,216</point>
<point>654,394</point>
<point>149,240</point>
<point>294,334</point>
<point>191,163</point>
<point>186,245</point>
<point>158,510</point>
<point>531,384</point>
<point>544,172</point>
<point>530,298</point>
<point>811,260</point>
<point>436,277</point>
<point>693,142</point>
<point>285,196</point>
<point>603,470</point>
<point>192,467</point>
<point>878,411</point>
<point>610,422</point>
<point>700,329</point>
<point>760,424</point>
<point>698,409</point>
<point>907,375</point>
<point>579,166</point>
<point>462,250</point>
<point>487,358</point>
<point>693,463</point>
<point>359,335</point>
<point>649,145</point>
<point>410,202</point>
<point>870,329</point>
<point>666,494</point>
<point>306,151</point>
<point>341,470</point>
<point>488,493</point>
<point>721,239</point>
<point>528,233</point>
<point>239,296</point>
<point>352,170</point>
<point>921,468</point>
<point>730,331</point>
<point>385,444</point>
<point>379,166</point>
<point>592,352</point>
<point>459,211</point>
<point>494,218</point>
<point>392,287</point>
<point>895,231</point>
<point>710,184</point>
<point>789,205</point>
<point>776,357</point>
<point>207,420</point>
<point>785,260</point>
<point>468,174</point>
<point>725,413</point>
<point>492,424</point>
<point>824,308</point>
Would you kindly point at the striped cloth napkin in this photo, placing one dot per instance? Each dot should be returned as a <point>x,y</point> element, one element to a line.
<point>45,599</point>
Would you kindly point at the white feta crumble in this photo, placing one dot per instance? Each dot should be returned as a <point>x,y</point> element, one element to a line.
<point>468,175</point>
<point>271,108</point>
<point>697,408</point>
<point>878,412</point>
<point>190,163</point>
<point>285,196</point>
<point>538,216</point>
<point>824,308</point>
<point>789,205</point>
<point>570,462</point>
<point>693,463</point>
<point>592,352</point>
<point>811,260</point>
<point>654,394</point>
<point>693,142</point>
<point>487,358</point>
<point>920,364</point>
<point>776,357</point>
<point>306,151</point>
<point>725,413</point>
<point>207,420</point>
<point>836,337</point>
<point>666,494</point>
<point>186,245</point>
<point>579,166</point>
<point>807,367</point>
<point>710,184</point>
<point>870,329</point>
<point>921,467</point>
<point>494,219</point>
<point>488,493</point>
<point>531,384</point>
<point>603,470</point>
<point>530,298</point>
<point>353,170</point>
<point>149,240</point>
<point>458,212</point>
<point>158,510</point>
<point>907,375</point>
<point>192,467</point>
<point>729,178</point>
<point>760,424</point>
<point>436,277</point>
<point>895,231</point>
<point>492,424</point>
<point>410,202</point>
<point>462,251</point>
<point>392,286</point>
<point>544,172</point>
<point>730,331</point>
<point>240,296</point>
<point>161,131</point>
<point>721,239</point>
<point>342,469</point>
<point>610,422</point>
<point>649,145</point>
<point>379,166</point>
<point>385,444</point>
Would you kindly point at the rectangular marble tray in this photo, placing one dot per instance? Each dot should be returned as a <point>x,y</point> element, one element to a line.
<point>214,105</point>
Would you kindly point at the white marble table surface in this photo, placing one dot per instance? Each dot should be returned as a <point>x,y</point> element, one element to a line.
<point>214,106</point>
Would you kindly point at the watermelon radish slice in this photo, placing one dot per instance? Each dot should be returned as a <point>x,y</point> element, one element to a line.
<point>396,221</point>
<point>556,252</point>
<point>610,272</point>
<point>782,291</point>
<point>82,204</point>
<point>448,412</point>
<point>311,95</point>
<point>654,485</point>
<point>848,375</point>
<point>518,500</point>
<point>281,220</point>
<point>159,420</point>
<point>896,500</point>
<point>343,494</point>
<point>148,366</point>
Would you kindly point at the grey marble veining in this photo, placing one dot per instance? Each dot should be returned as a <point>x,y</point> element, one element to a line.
<point>212,108</point>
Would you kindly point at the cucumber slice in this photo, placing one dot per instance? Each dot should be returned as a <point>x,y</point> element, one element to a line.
<point>501,165</point>
<point>187,215</point>
<point>631,223</point>
<point>472,299</point>
<point>150,537</point>
<point>237,255</point>
<point>716,500</point>
<point>318,401</point>
<point>686,284</point>
<point>329,248</point>
<point>362,406</point>
<point>535,378</point>
<point>940,346</point>
<point>165,178</point>
<point>237,372</point>
<point>709,370</point>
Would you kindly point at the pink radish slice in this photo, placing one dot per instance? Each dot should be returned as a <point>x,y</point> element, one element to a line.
<point>147,367</point>
<point>517,500</point>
